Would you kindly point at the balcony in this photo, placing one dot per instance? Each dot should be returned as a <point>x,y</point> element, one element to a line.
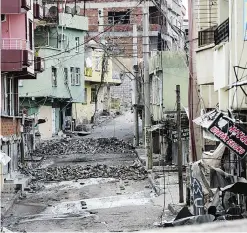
<point>37,11</point>
<point>15,55</point>
<point>39,64</point>
<point>15,6</point>
<point>221,33</point>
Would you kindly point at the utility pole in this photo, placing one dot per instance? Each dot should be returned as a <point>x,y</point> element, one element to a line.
<point>180,169</point>
<point>147,84</point>
<point>135,88</point>
<point>102,79</point>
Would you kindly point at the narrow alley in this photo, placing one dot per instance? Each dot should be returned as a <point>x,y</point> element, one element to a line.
<point>87,183</point>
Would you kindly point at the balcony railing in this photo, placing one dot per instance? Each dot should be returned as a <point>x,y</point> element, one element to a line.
<point>221,33</point>
<point>206,37</point>
<point>14,44</point>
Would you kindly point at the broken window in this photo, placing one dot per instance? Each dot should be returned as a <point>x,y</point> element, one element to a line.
<point>120,17</point>
<point>154,15</point>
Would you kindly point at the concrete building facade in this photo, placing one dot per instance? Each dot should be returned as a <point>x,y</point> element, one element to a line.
<point>18,62</point>
<point>52,96</point>
<point>221,38</point>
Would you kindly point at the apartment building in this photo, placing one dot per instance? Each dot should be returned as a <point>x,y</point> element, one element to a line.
<point>59,38</point>
<point>98,83</point>
<point>113,21</point>
<point>221,39</point>
<point>18,62</point>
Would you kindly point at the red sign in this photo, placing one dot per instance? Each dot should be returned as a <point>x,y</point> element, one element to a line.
<point>231,134</point>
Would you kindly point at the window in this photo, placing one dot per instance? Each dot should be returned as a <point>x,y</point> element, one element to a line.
<point>72,76</point>
<point>54,76</point>
<point>77,44</point>
<point>77,76</point>
<point>97,63</point>
<point>20,83</point>
<point>93,95</point>
<point>9,98</point>
<point>3,17</point>
<point>85,95</point>
<point>30,34</point>
<point>154,15</point>
<point>121,17</point>
<point>63,41</point>
<point>65,75</point>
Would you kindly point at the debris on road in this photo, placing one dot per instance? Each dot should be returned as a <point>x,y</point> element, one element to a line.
<point>83,145</point>
<point>68,172</point>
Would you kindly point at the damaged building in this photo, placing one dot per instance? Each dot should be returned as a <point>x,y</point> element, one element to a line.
<point>124,14</point>
<point>18,62</point>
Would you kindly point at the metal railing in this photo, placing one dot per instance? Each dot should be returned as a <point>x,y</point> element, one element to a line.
<point>14,44</point>
<point>221,33</point>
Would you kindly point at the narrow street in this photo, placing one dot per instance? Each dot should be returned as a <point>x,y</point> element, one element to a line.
<point>89,183</point>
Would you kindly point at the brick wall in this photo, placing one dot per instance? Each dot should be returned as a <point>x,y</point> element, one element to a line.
<point>10,126</point>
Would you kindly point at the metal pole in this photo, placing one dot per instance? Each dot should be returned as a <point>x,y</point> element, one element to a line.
<point>135,89</point>
<point>180,169</point>
<point>147,84</point>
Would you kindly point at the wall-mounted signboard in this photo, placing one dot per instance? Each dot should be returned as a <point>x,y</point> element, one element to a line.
<point>231,134</point>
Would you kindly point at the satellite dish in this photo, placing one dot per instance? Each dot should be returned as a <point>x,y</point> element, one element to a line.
<point>68,10</point>
<point>53,11</point>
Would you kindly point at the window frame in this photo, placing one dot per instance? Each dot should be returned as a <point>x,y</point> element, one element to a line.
<point>77,76</point>
<point>93,97</point>
<point>72,76</point>
<point>54,76</point>
<point>77,43</point>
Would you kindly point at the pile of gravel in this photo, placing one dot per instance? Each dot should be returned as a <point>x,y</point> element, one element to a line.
<point>83,145</point>
<point>67,172</point>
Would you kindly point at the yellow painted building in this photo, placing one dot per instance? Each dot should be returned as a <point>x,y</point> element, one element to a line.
<point>93,70</point>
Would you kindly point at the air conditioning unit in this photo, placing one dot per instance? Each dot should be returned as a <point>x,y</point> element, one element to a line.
<point>3,17</point>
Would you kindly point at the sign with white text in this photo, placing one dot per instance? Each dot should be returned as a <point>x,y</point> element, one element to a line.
<point>231,134</point>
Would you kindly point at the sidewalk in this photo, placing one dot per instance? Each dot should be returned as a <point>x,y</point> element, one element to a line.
<point>7,201</point>
<point>169,185</point>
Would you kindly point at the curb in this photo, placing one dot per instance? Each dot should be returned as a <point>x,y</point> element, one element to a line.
<point>6,209</point>
<point>150,178</point>
<point>152,182</point>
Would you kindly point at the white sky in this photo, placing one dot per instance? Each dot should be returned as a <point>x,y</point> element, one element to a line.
<point>185,2</point>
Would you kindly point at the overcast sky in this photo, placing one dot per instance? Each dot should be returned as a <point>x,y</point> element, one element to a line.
<point>185,2</point>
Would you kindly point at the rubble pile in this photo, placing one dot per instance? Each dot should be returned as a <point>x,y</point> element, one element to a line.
<point>67,172</point>
<point>83,145</point>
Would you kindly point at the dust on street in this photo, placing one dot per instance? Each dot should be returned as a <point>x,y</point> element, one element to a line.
<point>86,183</point>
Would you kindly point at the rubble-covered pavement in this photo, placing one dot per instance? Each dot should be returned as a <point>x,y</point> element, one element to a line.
<point>85,184</point>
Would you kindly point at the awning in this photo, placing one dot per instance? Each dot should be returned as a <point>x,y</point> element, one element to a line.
<point>155,127</point>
